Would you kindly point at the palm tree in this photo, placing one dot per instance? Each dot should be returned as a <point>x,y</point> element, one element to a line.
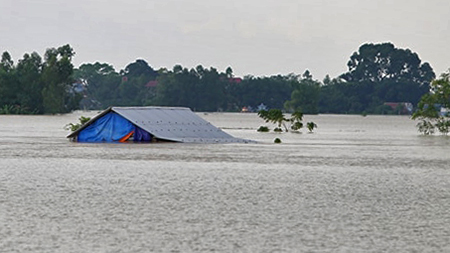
<point>296,120</point>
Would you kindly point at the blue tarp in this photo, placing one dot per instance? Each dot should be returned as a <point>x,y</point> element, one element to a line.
<point>145,124</point>
<point>110,128</point>
<point>141,135</point>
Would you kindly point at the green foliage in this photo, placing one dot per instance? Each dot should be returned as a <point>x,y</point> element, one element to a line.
<point>35,86</point>
<point>133,91</point>
<point>428,110</point>
<point>102,83</point>
<point>29,71</point>
<point>200,89</point>
<point>376,63</point>
<point>426,127</point>
<point>57,79</point>
<point>277,117</point>
<point>377,73</point>
<point>11,109</point>
<point>6,63</point>
<point>443,125</point>
<point>106,87</point>
<point>263,129</point>
<point>296,120</point>
<point>9,86</point>
<point>311,126</point>
<point>305,96</point>
<point>272,91</point>
<point>73,127</point>
<point>277,140</point>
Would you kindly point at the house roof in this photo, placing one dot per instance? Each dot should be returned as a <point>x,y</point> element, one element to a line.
<point>150,84</point>
<point>169,123</point>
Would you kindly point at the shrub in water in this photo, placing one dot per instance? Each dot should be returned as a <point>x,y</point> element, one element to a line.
<point>278,130</point>
<point>263,129</point>
<point>311,125</point>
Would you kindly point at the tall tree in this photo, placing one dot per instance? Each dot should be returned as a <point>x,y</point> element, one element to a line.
<point>56,76</point>
<point>379,62</point>
<point>398,75</point>
<point>29,74</point>
<point>200,89</point>
<point>133,90</point>
<point>272,91</point>
<point>140,68</point>
<point>102,83</point>
<point>9,87</point>
<point>305,96</point>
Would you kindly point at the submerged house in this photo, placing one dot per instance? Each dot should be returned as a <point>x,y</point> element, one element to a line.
<point>150,124</point>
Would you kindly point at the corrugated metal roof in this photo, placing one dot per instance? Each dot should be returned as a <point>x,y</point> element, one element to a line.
<point>171,123</point>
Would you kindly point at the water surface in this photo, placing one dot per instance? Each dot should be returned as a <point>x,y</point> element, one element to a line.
<point>358,184</point>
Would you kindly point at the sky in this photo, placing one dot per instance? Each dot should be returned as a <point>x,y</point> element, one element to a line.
<point>253,37</point>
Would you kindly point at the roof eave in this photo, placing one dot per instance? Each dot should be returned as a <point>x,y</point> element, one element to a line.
<point>76,132</point>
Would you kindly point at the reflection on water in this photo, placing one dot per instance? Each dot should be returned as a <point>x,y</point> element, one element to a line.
<point>358,184</point>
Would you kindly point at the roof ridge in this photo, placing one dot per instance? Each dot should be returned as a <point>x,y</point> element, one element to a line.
<point>150,107</point>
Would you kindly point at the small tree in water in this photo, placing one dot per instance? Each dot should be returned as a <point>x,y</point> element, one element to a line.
<point>311,125</point>
<point>276,116</point>
<point>296,120</point>
<point>433,108</point>
<point>74,127</point>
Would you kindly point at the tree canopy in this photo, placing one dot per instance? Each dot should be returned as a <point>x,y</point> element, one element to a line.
<point>37,86</point>
<point>378,74</point>
<point>433,111</point>
<point>381,62</point>
<point>305,94</point>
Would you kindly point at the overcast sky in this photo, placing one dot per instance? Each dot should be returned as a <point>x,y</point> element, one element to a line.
<point>257,37</point>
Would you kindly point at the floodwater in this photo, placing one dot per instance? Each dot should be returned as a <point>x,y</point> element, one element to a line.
<point>358,184</point>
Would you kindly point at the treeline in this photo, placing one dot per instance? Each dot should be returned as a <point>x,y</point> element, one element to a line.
<point>201,89</point>
<point>378,73</point>
<point>37,85</point>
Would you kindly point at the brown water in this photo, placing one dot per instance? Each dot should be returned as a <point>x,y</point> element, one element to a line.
<point>358,184</point>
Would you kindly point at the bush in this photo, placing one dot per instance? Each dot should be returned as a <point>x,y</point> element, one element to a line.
<point>277,129</point>
<point>263,129</point>
<point>311,125</point>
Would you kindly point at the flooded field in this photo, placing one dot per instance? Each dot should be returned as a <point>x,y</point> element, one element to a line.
<point>357,184</point>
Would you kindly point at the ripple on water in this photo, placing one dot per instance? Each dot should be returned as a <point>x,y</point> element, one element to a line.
<point>333,191</point>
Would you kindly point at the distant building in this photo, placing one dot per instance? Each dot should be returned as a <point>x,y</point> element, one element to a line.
<point>261,107</point>
<point>246,109</point>
<point>444,112</point>
<point>404,108</point>
<point>79,87</point>
<point>152,84</point>
<point>235,80</point>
